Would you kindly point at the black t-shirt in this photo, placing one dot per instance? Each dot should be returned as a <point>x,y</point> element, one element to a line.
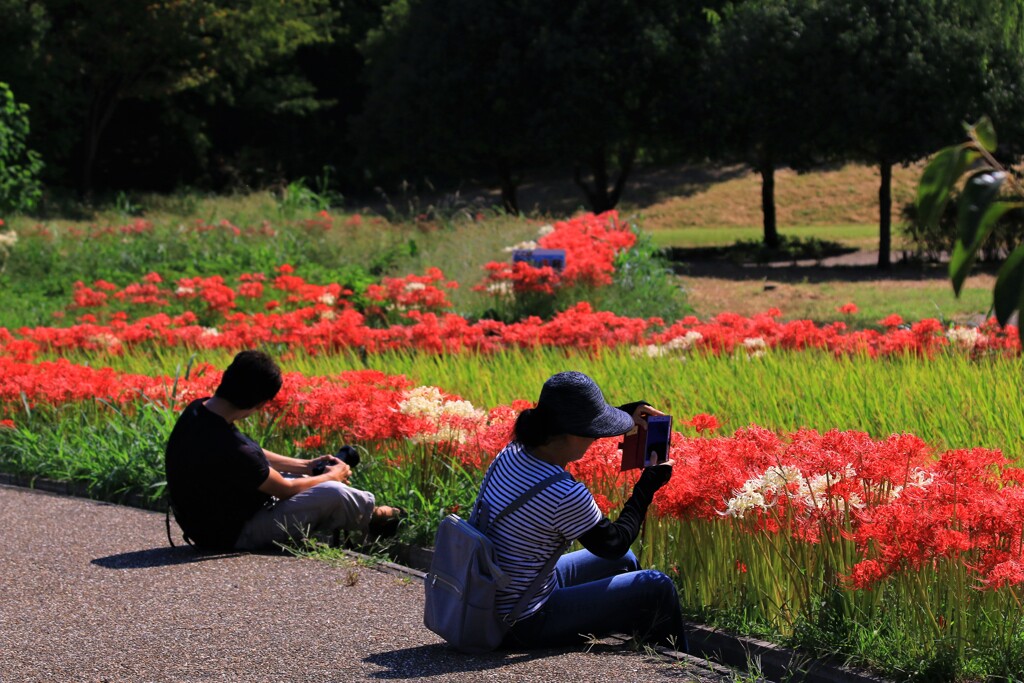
<point>213,476</point>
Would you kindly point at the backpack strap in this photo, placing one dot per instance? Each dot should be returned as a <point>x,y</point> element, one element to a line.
<point>167,522</point>
<point>524,600</point>
<point>529,493</point>
<point>538,581</point>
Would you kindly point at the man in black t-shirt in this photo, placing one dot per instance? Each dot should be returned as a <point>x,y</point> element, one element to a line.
<point>228,493</point>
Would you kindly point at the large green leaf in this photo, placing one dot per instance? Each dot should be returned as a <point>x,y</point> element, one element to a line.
<point>1009,290</point>
<point>980,193</point>
<point>964,255</point>
<point>937,180</point>
<point>977,215</point>
<point>985,133</point>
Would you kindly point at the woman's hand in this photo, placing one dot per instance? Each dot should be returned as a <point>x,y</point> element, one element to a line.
<point>658,474</point>
<point>642,412</point>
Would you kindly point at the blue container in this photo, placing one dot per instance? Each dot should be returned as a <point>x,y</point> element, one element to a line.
<point>541,257</point>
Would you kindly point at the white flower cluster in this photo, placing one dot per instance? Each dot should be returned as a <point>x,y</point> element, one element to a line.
<point>814,492</point>
<point>774,481</point>
<point>430,404</point>
<point>414,286</point>
<point>918,479</point>
<point>677,346</point>
<point>8,239</point>
<point>105,339</point>
<point>327,298</point>
<point>182,290</point>
<point>542,231</point>
<point>210,332</point>
<point>777,481</point>
<point>755,346</point>
<point>529,244</point>
<point>966,338</point>
<point>501,290</point>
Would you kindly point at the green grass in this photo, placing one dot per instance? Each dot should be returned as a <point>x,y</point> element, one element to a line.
<point>913,303</point>
<point>950,401</point>
<point>819,301</point>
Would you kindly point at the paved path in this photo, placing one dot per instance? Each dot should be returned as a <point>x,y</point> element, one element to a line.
<point>91,592</point>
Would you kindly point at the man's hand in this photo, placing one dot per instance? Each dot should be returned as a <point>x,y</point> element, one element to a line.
<point>339,471</point>
<point>319,465</point>
<point>280,487</point>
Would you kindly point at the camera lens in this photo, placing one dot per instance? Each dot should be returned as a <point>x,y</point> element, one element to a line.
<point>348,455</point>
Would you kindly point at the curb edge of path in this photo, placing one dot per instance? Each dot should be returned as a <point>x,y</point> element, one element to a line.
<point>709,647</point>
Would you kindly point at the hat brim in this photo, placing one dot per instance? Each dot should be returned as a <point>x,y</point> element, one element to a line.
<point>611,422</point>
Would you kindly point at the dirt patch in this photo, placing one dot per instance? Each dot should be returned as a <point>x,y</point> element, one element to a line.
<point>711,295</point>
<point>815,291</point>
<point>844,195</point>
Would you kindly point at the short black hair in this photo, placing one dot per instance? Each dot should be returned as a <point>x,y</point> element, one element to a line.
<point>252,378</point>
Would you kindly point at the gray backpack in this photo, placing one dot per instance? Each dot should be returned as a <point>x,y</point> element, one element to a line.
<point>464,579</point>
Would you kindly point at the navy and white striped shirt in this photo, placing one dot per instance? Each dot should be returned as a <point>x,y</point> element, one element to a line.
<point>525,539</point>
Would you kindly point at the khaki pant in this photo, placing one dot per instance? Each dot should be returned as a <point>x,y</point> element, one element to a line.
<point>319,510</point>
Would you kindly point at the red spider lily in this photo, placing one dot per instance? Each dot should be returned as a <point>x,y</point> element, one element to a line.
<point>898,504</point>
<point>704,422</point>
<point>591,243</point>
<point>423,293</point>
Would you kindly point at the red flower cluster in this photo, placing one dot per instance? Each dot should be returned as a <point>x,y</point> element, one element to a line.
<point>898,504</point>
<point>424,293</point>
<point>901,507</point>
<point>323,328</point>
<point>331,324</point>
<point>590,242</point>
<point>728,331</point>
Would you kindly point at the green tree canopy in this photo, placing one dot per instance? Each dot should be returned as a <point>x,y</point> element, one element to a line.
<point>82,60</point>
<point>904,76</point>
<point>19,166</point>
<point>765,99</point>
<point>499,88</point>
<point>452,90</point>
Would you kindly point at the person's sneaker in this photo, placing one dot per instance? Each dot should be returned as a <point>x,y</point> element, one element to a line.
<point>385,520</point>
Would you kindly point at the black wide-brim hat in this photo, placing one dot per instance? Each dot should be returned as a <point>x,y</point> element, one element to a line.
<point>572,403</point>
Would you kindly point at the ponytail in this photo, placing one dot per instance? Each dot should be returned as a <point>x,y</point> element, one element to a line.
<point>532,428</point>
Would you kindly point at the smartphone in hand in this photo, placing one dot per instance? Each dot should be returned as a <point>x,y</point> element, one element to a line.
<point>659,435</point>
<point>647,446</point>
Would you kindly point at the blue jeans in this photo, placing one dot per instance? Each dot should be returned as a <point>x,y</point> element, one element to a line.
<point>596,597</point>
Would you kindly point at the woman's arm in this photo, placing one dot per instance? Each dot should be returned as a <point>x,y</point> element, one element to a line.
<point>611,540</point>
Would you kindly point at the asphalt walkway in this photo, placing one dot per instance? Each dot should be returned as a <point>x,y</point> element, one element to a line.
<point>92,592</point>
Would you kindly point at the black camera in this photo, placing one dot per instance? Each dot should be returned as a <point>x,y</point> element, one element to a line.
<point>347,454</point>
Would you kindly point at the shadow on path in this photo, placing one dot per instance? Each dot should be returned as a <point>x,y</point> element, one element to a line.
<point>158,557</point>
<point>424,661</point>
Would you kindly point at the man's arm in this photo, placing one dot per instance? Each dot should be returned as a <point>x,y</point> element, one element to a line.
<point>280,487</point>
<point>282,463</point>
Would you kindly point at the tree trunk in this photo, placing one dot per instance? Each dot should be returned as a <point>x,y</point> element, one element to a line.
<point>599,197</point>
<point>597,194</point>
<point>885,216</point>
<point>509,192</point>
<point>101,109</point>
<point>771,228</point>
<point>625,168</point>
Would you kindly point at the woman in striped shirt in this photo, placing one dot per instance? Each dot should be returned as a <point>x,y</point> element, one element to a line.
<point>591,592</point>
